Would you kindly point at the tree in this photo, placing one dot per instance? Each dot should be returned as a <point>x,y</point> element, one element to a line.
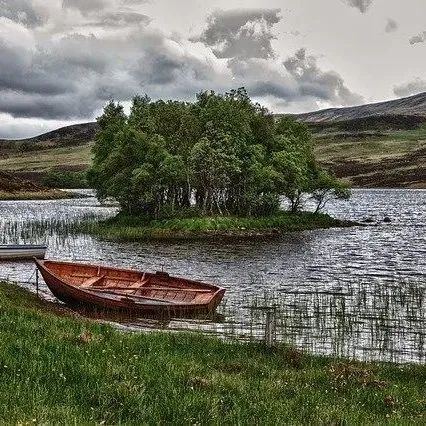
<point>222,154</point>
<point>326,187</point>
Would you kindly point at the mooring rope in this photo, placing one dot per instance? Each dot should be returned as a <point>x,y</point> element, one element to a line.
<point>32,274</point>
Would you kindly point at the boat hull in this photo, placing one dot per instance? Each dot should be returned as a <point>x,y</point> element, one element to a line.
<point>75,296</point>
<point>22,252</point>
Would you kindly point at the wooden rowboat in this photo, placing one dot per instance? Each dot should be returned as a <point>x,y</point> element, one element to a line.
<point>127,290</point>
<point>22,251</point>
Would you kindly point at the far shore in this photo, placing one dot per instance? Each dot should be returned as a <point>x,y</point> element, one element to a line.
<point>53,194</point>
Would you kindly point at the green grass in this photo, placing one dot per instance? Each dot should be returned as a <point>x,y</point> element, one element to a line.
<point>394,159</point>
<point>126,228</point>
<point>78,156</point>
<point>58,167</point>
<point>328,150</point>
<point>393,144</point>
<point>55,368</point>
<point>410,135</point>
<point>65,179</point>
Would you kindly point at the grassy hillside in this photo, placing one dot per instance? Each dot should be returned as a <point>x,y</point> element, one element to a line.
<point>77,134</point>
<point>389,159</point>
<point>58,368</point>
<point>397,159</point>
<point>36,165</point>
<point>58,158</point>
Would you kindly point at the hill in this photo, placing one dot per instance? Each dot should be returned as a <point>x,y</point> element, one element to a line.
<point>376,145</point>
<point>398,114</point>
<point>58,158</point>
<point>77,134</point>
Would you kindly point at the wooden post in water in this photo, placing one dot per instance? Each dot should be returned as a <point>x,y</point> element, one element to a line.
<point>270,326</point>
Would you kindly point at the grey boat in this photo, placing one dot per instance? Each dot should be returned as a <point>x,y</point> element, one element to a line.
<point>22,251</point>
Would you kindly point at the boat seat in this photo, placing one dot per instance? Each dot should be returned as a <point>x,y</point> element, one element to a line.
<point>138,284</point>
<point>92,281</point>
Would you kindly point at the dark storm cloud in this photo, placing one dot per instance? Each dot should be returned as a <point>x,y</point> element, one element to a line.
<point>243,33</point>
<point>71,75</point>
<point>281,91</point>
<point>299,80</point>
<point>313,82</point>
<point>362,5</point>
<point>391,26</point>
<point>419,38</point>
<point>47,107</point>
<point>20,11</point>
<point>411,88</point>
<point>159,68</point>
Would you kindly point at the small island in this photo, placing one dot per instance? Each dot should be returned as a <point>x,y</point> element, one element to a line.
<point>220,166</point>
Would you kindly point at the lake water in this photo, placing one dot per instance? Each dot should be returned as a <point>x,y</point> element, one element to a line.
<point>357,292</point>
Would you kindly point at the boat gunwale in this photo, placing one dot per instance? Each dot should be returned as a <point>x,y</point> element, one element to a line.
<point>22,246</point>
<point>153,274</point>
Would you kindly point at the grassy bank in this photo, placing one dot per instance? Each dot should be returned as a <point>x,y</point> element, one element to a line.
<point>391,159</point>
<point>55,368</point>
<point>36,195</point>
<point>57,167</point>
<point>127,228</point>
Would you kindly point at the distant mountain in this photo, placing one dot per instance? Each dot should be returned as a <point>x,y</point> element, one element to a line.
<point>398,114</point>
<point>77,134</point>
<point>411,106</point>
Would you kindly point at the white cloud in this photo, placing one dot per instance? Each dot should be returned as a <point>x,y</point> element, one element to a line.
<point>418,85</point>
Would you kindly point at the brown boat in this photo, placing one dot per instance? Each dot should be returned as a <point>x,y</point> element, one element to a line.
<point>128,290</point>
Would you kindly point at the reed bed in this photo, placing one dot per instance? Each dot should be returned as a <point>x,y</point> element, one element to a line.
<point>364,321</point>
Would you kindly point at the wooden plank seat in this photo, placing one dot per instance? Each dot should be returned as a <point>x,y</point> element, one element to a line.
<point>92,281</point>
<point>140,283</point>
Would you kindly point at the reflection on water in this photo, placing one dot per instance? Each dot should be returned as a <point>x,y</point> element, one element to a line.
<point>353,291</point>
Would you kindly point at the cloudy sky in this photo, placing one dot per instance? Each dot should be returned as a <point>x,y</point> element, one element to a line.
<point>61,60</point>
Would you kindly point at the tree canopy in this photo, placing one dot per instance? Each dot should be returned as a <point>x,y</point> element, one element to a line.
<point>220,155</point>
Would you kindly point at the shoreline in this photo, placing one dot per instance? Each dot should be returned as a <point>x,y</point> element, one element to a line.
<point>48,195</point>
<point>122,228</point>
<point>106,376</point>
